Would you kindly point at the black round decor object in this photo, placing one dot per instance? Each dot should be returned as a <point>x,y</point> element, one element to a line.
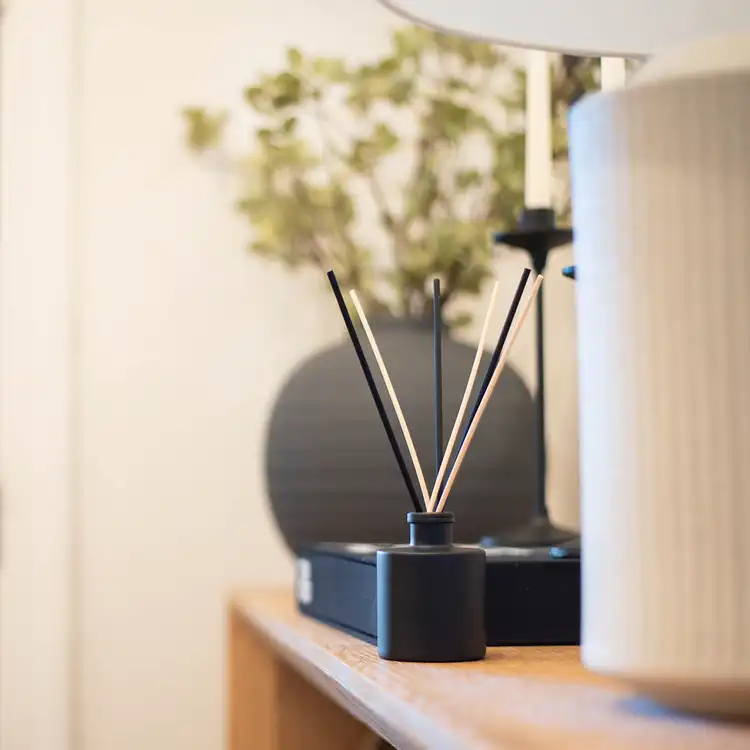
<point>430,595</point>
<point>331,474</point>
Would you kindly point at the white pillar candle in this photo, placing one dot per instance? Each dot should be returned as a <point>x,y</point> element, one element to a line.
<point>538,184</point>
<point>613,73</point>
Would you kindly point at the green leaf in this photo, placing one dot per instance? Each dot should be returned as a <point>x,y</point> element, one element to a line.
<point>330,68</point>
<point>367,152</point>
<point>420,200</point>
<point>384,138</point>
<point>487,55</point>
<point>294,57</point>
<point>401,91</point>
<point>254,96</point>
<point>450,121</point>
<point>456,84</point>
<point>204,129</point>
<point>467,178</point>
<point>264,249</point>
<point>388,66</point>
<point>411,42</point>
<point>342,205</point>
<point>360,101</point>
<point>458,320</point>
<point>287,90</point>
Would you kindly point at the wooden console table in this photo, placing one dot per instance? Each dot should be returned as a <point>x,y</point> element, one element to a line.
<point>295,684</point>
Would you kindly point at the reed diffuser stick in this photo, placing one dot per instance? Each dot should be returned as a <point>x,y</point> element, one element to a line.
<point>488,394</point>
<point>464,401</point>
<point>418,506</point>
<point>392,394</point>
<point>437,336</point>
<point>512,310</point>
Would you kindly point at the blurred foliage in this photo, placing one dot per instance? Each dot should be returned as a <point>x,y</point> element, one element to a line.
<point>429,139</point>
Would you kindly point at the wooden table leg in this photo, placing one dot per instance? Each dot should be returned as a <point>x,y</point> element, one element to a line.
<point>272,707</point>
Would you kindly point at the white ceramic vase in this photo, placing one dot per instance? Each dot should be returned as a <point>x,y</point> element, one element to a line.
<point>661,196</point>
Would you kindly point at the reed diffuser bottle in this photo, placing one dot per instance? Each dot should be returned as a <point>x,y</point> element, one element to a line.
<point>431,595</point>
<point>430,592</point>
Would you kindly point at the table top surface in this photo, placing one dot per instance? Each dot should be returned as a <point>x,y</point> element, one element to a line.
<point>533,698</point>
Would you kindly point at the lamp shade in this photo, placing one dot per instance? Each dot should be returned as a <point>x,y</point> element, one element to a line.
<point>627,28</point>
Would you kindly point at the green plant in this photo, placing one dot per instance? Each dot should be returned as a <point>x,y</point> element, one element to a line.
<point>428,140</point>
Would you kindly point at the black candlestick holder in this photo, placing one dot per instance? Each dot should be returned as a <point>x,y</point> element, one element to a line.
<point>537,234</point>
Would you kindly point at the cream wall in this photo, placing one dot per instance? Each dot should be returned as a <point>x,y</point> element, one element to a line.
<point>185,342</point>
<point>181,342</point>
<point>38,99</point>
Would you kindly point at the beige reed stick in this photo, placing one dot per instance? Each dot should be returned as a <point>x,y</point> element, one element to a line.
<point>464,401</point>
<point>486,398</point>
<point>394,398</point>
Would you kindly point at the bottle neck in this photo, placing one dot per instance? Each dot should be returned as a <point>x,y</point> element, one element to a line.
<point>430,529</point>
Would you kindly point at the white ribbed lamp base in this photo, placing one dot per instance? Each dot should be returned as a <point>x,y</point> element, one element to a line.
<point>661,196</point>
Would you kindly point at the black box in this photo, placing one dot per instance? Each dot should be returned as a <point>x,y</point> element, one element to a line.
<point>531,598</point>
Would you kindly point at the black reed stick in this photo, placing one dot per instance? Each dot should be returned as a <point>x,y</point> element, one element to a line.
<point>418,506</point>
<point>437,326</point>
<point>498,350</point>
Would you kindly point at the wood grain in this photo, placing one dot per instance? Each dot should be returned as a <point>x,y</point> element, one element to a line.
<point>517,699</point>
<point>273,707</point>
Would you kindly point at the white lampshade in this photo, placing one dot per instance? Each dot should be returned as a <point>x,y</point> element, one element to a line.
<point>627,28</point>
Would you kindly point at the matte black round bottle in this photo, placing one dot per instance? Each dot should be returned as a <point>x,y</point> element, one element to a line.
<point>430,595</point>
